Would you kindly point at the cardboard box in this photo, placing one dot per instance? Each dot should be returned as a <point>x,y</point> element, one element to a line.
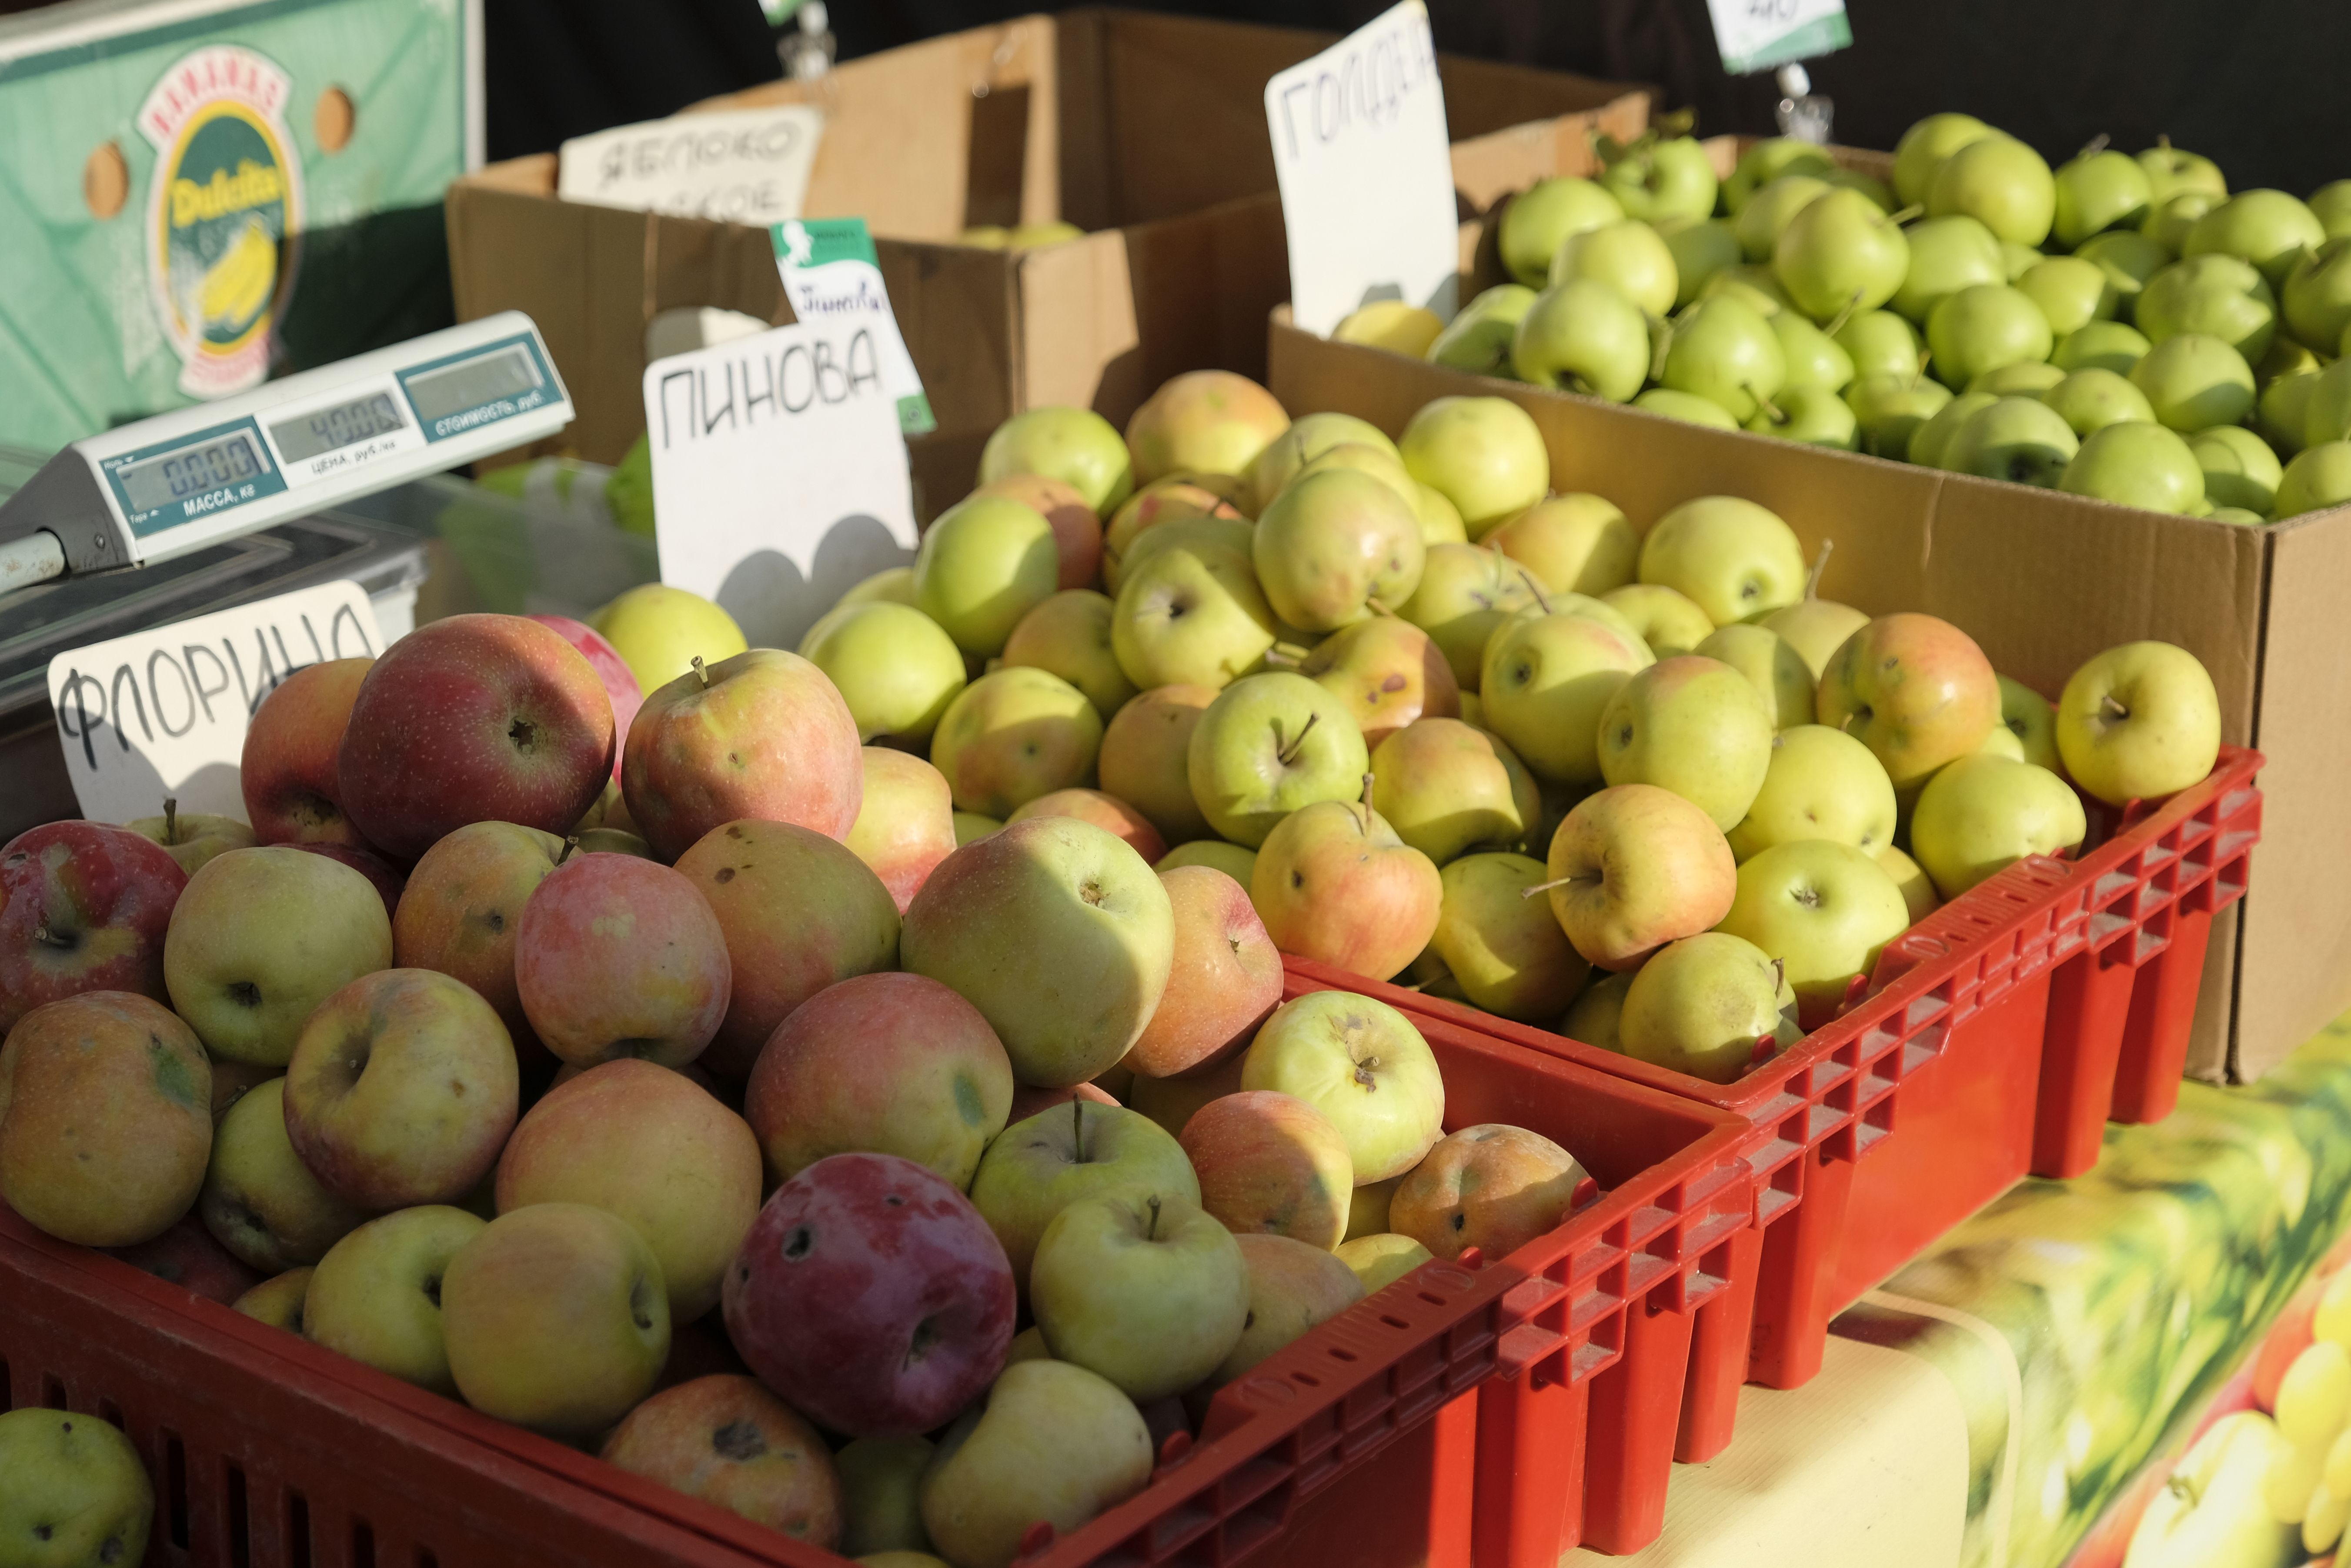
<point>1147,130</point>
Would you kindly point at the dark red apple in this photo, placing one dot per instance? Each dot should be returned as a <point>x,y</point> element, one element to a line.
<point>478,718</point>
<point>620,683</point>
<point>287,772</point>
<point>83,907</point>
<point>385,876</point>
<point>871,1296</point>
<point>187,1255</point>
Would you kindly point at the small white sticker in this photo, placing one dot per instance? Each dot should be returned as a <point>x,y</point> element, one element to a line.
<point>738,166</point>
<point>1756,34</point>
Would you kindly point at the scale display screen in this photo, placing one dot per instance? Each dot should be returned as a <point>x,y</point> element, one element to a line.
<point>330,429</point>
<point>454,388</point>
<point>170,477</point>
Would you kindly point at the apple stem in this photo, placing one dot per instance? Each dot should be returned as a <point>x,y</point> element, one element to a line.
<point>1658,354</point>
<point>2110,710</point>
<point>1903,217</point>
<point>699,673</point>
<point>1544,886</point>
<point>1151,1232</point>
<point>2164,141</point>
<point>570,843</point>
<point>1541,602</point>
<point>1765,403</point>
<point>1282,658</point>
<point>2094,145</point>
<point>1924,357</point>
<point>1778,975</point>
<point>1289,754</point>
<point>1365,802</point>
<point>1078,1129</point>
<point>170,819</point>
<point>1372,601</point>
<point>1820,565</point>
<point>1843,316</point>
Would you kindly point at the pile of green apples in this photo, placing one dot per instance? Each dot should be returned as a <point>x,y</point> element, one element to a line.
<point>2122,327</point>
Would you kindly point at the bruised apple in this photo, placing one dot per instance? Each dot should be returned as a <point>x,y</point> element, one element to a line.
<point>729,1441</point>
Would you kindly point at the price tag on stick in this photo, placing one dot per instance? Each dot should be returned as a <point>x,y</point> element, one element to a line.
<point>1756,34</point>
<point>779,472</point>
<point>1365,170</point>
<point>830,272</point>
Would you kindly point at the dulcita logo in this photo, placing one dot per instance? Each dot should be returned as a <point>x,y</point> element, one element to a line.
<point>224,212</point>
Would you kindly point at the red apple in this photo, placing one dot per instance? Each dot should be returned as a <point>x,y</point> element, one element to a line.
<point>187,1255</point>
<point>288,773</point>
<point>1917,691</point>
<point>620,684</point>
<point>462,911</point>
<point>1333,882</point>
<point>620,956</point>
<point>382,875</point>
<point>1077,532</point>
<point>1108,812</point>
<point>729,1441</point>
<point>473,719</point>
<point>1027,1100</point>
<point>905,824</point>
<point>1224,981</point>
<point>873,1296</point>
<point>83,907</point>
<point>763,735</point>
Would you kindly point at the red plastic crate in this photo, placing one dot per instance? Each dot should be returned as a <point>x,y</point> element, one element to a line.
<point>1355,1445</point>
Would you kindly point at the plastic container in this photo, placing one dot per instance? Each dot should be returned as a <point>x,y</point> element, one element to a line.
<point>1359,1439</point>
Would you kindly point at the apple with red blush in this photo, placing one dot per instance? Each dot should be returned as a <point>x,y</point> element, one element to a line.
<point>83,907</point>
<point>287,772</point>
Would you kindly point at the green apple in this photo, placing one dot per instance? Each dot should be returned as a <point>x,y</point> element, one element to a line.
<point>2193,381</point>
<point>1702,1005</point>
<point>1146,1291</point>
<point>2102,346</point>
<point>2072,292</point>
<point>2326,407</point>
<point>1687,407</point>
<point>2136,463</point>
<point>2283,412</point>
<point>2317,296</point>
<point>2026,715</point>
<point>1478,339</point>
<point>2218,295</point>
<point>1824,910</point>
<point>1814,359</point>
<point>1947,255</point>
<point>1821,783</point>
<point>2171,221</point>
<point>193,838</point>
<point>2026,378</point>
<point>1075,446</point>
<point>2173,169</point>
<point>1580,335</point>
<point>1192,615</point>
<point>1932,438</point>
<point>1541,218</point>
<point>1574,543</point>
<point>2318,478</point>
<point>1484,455</point>
<point>2138,722</point>
<point>1627,255</point>
<point>1035,1169</point>
<point>1270,744</point>
<point>1924,146</point>
<point>1983,813</point>
<point>1545,679</point>
<point>985,563</point>
<point>1440,520</point>
<point>1390,324</point>
<point>1771,209</point>
<point>259,939</point>
<point>1380,462</point>
<point>1983,327</point>
<point>1726,353</point>
<point>2268,228</point>
<point>1503,947</point>
<point>1382,1257</point>
<point>376,1296</point>
<point>1333,544</point>
<point>894,665</point>
<point>2099,190</point>
<point>2128,258</point>
<point>1663,619</point>
<point>1364,1066</point>
<point>1594,1015</point>
<point>1700,248</point>
<point>1633,867</point>
<point>1731,558</point>
<point>2331,206</point>
<point>1662,177</point>
<point>1447,787</point>
<point>660,631</point>
<point>1880,193</point>
<point>77,1491</point>
<point>1053,1444</point>
<point>260,1201</point>
<point>1070,635</point>
<point>1888,410</point>
<point>2286,356</point>
<point>891,585</point>
<point>2240,469</point>
<point>1753,285</point>
<point>880,1478</point>
<point>2002,184</point>
<point>1840,253</point>
<point>1466,592</point>
<point>1308,438</point>
<point>2090,400</point>
<point>2215,1505</point>
<point>1880,343</point>
<point>1766,161</point>
<point>1816,628</point>
<point>1693,725</point>
<point>1013,734</point>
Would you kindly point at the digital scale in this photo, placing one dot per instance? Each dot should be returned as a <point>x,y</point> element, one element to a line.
<point>181,481</point>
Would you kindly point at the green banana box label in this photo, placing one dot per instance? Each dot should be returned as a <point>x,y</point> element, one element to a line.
<point>224,212</point>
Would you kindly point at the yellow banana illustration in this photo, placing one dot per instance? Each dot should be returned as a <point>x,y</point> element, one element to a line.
<point>237,285</point>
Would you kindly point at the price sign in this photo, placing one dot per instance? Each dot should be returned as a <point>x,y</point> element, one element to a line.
<point>829,272</point>
<point>739,166</point>
<point>1365,170</point>
<point>1757,35</point>
<point>779,472</point>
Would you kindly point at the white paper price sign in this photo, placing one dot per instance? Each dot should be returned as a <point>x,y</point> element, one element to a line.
<point>163,712</point>
<point>779,472</point>
<point>1366,173</point>
<point>1756,34</point>
<point>742,166</point>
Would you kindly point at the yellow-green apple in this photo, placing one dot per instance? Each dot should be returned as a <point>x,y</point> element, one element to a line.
<point>462,912</point>
<point>278,1301</point>
<point>1235,861</point>
<point>1464,595</point>
<point>1890,410</point>
<point>1441,519</point>
<point>2002,184</point>
<point>1333,544</point>
<point>906,822</point>
<point>84,907</point>
<point>260,1201</point>
<point>2170,170</point>
<point>2318,478</point>
<point>1052,1444</point>
<point>1983,813</point>
<point>1924,146</point>
<point>1269,745</point>
<point>1694,726</point>
<point>985,563</point>
<point>652,1147</point>
<point>2091,398</point>
<point>193,837</point>
<point>1364,1066</point>
<point>971,827</point>
<point>1879,343</point>
<point>2215,1507</point>
<point>1503,947</point>
<point>660,631</point>
<point>1077,531</point>
<point>1041,1165</point>
<point>1292,1287</point>
<point>376,1295</point>
<point>1191,615</point>
<point>885,1063</point>
<point>1482,454</point>
<point>1929,442</point>
<point>2100,345</point>
<point>1146,1291</point>
<point>556,1319</point>
<point>2138,722</point>
<point>1583,334</point>
<point>1209,421</point>
<point>1108,812</point>
<point>620,956</point>
<point>1983,327</point>
<point>473,718</point>
<point>1069,635</point>
<point>1634,867</point>
<point>1723,351</point>
<point>1224,977</point>
<point>1840,252</point>
<point>1765,215</point>
<point>1492,1187</point>
<point>1075,446</point>
<point>1390,324</point>
<point>2136,463</point>
<point>1389,672</point>
<point>1447,787</point>
<point>1058,933</point>
<point>1546,680</point>
<point>726,1440</point>
<point>2027,715</point>
<point>1917,888</point>
<point>1165,512</point>
<point>1595,1016</point>
<point>105,1118</point>
<point>1333,882</point>
<point>2096,190</point>
<point>763,735</point>
<point>380,873</point>
<point>1376,460</point>
<point>2072,292</point>
<point>287,772</point>
<point>2015,437</point>
<point>1822,784</point>
<point>1917,691</point>
<point>871,1295</point>
<point>1701,249</point>
<point>1731,558</point>
<point>1307,438</point>
<point>1770,664</point>
<point>260,938</point>
<point>1381,1257</point>
<point>2240,468</point>
<point>1947,255</point>
<point>1575,543</point>
<point>1143,757</point>
<point>1367,1212</point>
<point>893,665</point>
<point>1628,258</point>
<point>1668,621</point>
<point>1269,1163</point>
<point>2268,228</point>
<point>2194,381</point>
<point>1825,911</point>
<point>1702,1005</point>
<point>402,1090</point>
<point>881,1512</point>
<point>1014,734</point>
<point>78,1489</point>
<point>1542,217</point>
<point>2317,296</point>
<point>2220,296</point>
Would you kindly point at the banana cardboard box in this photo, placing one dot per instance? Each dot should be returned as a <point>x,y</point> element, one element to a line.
<point>196,197</point>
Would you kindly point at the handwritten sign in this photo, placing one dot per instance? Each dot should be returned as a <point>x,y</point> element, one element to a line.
<point>742,166</point>
<point>1756,34</point>
<point>163,712</point>
<point>1366,173</point>
<point>779,472</point>
<point>831,273</point>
